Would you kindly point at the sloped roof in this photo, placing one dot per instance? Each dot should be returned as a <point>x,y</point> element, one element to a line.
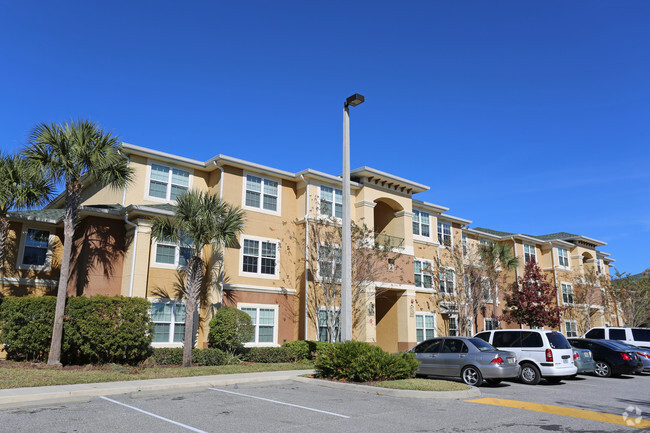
<point>552,236</point>
<point>492,232</point>
<point>52,216</point>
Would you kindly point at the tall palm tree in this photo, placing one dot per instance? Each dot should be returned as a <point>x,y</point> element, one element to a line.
<point>22,185</point>
<point>70,152</point>
<point>200,220</point>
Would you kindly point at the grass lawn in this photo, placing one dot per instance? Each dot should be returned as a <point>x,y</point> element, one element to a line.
<point>24,374</point>
<point>423,385</point>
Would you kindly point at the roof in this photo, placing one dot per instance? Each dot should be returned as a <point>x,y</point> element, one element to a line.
<point>52,216</point>
<point>492,232</point>
<point>553,236</point>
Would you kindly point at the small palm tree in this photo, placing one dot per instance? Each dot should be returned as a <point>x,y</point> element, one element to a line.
<point>22,186</point>
<point>69,153</point>
<point>200,220</point>
<point>496,257</point>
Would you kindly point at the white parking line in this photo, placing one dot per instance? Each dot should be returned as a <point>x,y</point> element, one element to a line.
<point>154,415</point>
<point>280,402</point>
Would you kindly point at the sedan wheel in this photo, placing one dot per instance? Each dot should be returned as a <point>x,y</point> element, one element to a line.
<point>603,369</point>
<point>472,376</point>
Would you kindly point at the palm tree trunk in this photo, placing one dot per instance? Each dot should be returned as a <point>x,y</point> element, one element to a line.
<point>4,232</point>
<point>194,279</point>
<point>72,199</point>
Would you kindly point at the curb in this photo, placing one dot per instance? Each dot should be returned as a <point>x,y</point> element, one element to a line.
<point>450,395</point>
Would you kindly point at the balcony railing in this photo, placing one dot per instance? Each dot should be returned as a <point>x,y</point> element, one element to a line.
<point>388,241</point>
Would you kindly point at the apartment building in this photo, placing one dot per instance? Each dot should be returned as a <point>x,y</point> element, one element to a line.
<point>276,272</point>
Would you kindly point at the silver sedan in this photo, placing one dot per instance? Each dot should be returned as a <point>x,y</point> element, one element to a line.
<point>471,359</point>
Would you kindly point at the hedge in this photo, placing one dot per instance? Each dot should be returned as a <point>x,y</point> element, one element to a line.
<point>306,349</point>
<point>98,329</point>
<point>210,356</point>
<point>268,354</point>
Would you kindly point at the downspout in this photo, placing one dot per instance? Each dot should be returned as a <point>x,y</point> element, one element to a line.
<point>223,247</point>
<point>135,246</point>
<point>306,256</point>
<point>557,292</point>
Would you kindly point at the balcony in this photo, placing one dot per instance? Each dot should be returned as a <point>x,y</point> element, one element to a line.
<point>387,241</point>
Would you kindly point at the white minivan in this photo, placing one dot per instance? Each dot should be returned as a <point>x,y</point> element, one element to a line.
<point>541,353</point>
<point>635,336</point>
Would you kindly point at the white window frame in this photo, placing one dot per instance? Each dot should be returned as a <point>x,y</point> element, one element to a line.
<point>417,214</point>
<point>446,271</point>
<point>424,328</point>
<point>336,247</point>
<point>465,245</point>
<point>566,293</point>
<point>265,179</point>
<point>449,328</point>
<point>170,341</point>
<point>599,266</point>
<point>336,193</point>
<point>496,324</point>
<point>330,310</point>
<point>486,289</point>
<point>259,273</point>
<point>47,265</point>
<point>574,331</point>
<point>441,234</point>
<point>171,168</point>
<point>422,273</point>
<point>276,309</point>
<point>177,255</point>
<point>530,252</point>
<point>563,256</point>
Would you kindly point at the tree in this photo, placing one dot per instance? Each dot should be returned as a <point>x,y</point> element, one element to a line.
<point>588,292</point>
<point>70,153</point>
<point>200,220</point>
<point>371,258</point>
<point>496,260</point>
<point>22,185</point>
<point>532,300</point>
<point>631,296</point>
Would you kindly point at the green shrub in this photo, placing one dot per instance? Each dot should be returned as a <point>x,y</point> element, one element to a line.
<point>299,348</point>
<point>316,347</point>
<point>210,356</point>
<point>268,354</point>
<point>99,329</point>
<point>168,355</point>
<point>361,362</point>
<point>230,328</point>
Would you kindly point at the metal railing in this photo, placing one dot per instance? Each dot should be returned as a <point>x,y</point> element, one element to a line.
<point>388,241</point>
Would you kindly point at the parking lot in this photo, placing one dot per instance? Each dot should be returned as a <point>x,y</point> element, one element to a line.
<point>296,406</point>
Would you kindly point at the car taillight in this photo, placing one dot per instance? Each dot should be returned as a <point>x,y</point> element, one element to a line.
<point>497,360</point>
<point>645,355</point>
<point>549,355</point>
<point>576,355</point>
<point>626,357</point>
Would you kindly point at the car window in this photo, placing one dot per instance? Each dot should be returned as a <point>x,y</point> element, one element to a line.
<point>485,336</point>
<point>481,345</point>
<point>506,339</point>
<point>429,346</point>
<point>531,339</point>
<point>640,334</point>
<point>617,334</point>
<point>596,333</point>
<point>454,346</point>
<point>577,343</point>
<point>557,340</point>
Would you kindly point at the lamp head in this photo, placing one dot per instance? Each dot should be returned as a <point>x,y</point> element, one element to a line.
<point>354,100</point>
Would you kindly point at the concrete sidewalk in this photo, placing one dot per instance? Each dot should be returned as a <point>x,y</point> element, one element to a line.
<point>45,395</point>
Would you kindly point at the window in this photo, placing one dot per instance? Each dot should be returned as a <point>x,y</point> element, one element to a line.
<point>424,326</point>
<point>35,249</point>
<point>423,275</point>
<point>563,257</point>
<point>617,334</point>
<point>529,253</point>
<point>331,202</point>
<point>485,243</point>
<point>571,328</point>
<point>329,262</point>
<point>323,329</point>
<point>261,194</point>
<point>421,223</point>
<point>432,346</point>
<point>531,339</point>
<point>167,183</point>
<point>599,264</point>
<point>454,346</point>
<point>260,257</point>
<point>597,333</point>
<point>491,324</point>
<point>171,254</point>
<point>506,339</point>
<point>446,282</point>
<point>453,326</point>
<point>486,290</point>
<point>168,318</point>
<point>444,234</point>
<point>567,293</point>
<point>264,318</point>
<point>465,246</point>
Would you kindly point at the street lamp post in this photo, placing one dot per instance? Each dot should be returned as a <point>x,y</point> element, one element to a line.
<point>346,241</point>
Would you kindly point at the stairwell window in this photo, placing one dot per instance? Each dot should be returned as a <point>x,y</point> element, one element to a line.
<point>453,326</point>
<point>444,234</point>
<point>331,202</point>
<point>529,253</point>
<point>261,194</point>
<point>446,282</point>
<point>329,263</point>
<point>167,183</point>
<point>567,293</point>
<point>421,223</point>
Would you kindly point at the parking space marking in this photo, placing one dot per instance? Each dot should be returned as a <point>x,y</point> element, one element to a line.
<point>280,402</point>
<point>564,411</point>
<point>154,415</point>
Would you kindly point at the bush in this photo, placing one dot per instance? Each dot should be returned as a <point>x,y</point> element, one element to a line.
<point>299,348</point>
<point>210,356</point>
<point>99,329</point>
<point>316,347</point>
<point>268,354</point>
<point>361,362</point>
<point>168,355</point>
<point>229,329</point>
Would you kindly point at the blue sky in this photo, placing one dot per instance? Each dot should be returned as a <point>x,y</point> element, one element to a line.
<point>528,117</point>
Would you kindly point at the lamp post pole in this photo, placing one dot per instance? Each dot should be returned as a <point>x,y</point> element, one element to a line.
<point>346,241</point>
